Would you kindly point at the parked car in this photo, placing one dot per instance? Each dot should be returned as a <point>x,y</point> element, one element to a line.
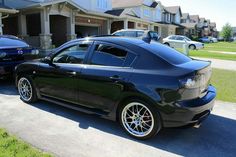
<point>205,40</point>
<point>208,40</point>
<point>178,41</point>
<point>13,51</point>
<point>213,40</point>
<point>136,33</point>
<point>220,39</point>
<point>144,85</point>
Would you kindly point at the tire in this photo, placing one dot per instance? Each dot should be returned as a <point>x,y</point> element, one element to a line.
<point>26,89</point>
<point>139,119</point>
<point>167,44</point>
<point>192,47</point>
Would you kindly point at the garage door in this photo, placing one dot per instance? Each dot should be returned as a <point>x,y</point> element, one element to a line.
<point>84,31</point>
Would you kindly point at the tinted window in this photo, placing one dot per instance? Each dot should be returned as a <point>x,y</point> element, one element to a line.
<point>7,42</point>
<point>130,34</point>
<point>108,55</point>
<point>74,54</point>
<point>119,34</point>
<point>170,55</point>
<point>140,33</point>
<point>172,37</point>
<point>180,38</point>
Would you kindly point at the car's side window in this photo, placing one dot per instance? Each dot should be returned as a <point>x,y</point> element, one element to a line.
<point>179,38</point>
<point>130,34</point>
<point>119,34</point>
<point>140,33</point>
<point>172,37</point>
<point>72,55</point>
<point>108,55</point>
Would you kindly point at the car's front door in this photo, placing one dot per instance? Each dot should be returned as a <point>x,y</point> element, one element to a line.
<point>105,76</point>
<point>58,79</point>
<point>180,41</point>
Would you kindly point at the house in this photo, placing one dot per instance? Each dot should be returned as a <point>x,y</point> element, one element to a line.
<point>172,18</point>
<point>43,23</point>
<point>4,13</point>
<point>189,24</point>
<point>213,29</point>
<point>136,14</point>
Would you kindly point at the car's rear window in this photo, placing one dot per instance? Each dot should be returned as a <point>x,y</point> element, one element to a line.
<point>170,55</point>
<point>8,42</point>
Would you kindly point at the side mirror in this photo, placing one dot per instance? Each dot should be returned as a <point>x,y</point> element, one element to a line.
<point>47,60</point>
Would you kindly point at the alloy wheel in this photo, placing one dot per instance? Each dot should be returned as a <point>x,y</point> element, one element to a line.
<point>137,119</point>
<point>25,89</point>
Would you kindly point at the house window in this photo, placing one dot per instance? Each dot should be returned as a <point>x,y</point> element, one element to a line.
<point>146,12</point>
<point>102,4</point>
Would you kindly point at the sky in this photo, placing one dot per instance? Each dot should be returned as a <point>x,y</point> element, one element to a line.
<point>219,11</point>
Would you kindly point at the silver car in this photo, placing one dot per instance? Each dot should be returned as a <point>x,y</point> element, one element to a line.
<point>178,41</point>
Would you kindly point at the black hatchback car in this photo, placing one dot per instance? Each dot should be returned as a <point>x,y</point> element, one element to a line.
<point>145,86</point>
<point>14,51</point>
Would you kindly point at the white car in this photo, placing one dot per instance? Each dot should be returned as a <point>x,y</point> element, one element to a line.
<point>178,41</point>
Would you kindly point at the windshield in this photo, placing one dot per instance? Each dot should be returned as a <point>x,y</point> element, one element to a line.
<point>187,39</point>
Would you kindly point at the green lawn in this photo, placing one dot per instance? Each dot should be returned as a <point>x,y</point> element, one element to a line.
<point>221,46</point>
<point>224,81</point>
<point>205,54</point>
<point>10,146</point>
<point>218,47</point>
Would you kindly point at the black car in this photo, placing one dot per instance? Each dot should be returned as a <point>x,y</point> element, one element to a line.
<point>137,33</point>
<point>145,86</point>
<point>13,51</point>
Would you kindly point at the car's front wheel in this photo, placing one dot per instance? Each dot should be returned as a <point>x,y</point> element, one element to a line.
<point>192,47</point>
<point>140,120</point>
<point>26,90</point>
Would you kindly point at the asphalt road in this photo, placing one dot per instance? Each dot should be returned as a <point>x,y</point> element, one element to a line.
<point>69,133</point>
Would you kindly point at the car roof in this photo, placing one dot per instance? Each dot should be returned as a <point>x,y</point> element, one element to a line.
<point>113,39</point>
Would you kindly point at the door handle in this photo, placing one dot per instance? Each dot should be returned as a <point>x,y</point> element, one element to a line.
<point>72,73</point>
<point>115,78</point>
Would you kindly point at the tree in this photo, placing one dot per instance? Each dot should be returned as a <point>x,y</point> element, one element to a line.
<point>227,32</point>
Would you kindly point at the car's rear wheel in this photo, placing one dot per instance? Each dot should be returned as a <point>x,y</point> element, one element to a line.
<point>26,90</point>
<point>140,120</point>
<point>167,44</point>
<point>192,47</point>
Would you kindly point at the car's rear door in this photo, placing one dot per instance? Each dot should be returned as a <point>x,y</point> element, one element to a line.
<point>59,80</point>
<point>105,76</point>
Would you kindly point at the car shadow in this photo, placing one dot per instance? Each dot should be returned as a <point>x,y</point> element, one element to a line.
<point>216,136</point>
<point>7,87</point>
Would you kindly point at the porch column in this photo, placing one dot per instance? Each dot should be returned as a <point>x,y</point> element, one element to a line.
<point>45,36</point>
<point>151,27</point>
<point>126,24</point>
<point>22,25</point>
<point>1,24</point>
<point>109,26</point>
<point>71,26</point>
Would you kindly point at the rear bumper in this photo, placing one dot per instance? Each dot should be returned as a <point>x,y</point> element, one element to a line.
<point>191,111</point>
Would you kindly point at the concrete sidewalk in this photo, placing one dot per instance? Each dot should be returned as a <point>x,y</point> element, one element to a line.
<point>67,133</point>
<point>221,64</point>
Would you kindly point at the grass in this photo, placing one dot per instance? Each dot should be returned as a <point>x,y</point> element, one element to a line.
<point>208,51</point>
<point>224,81</point>
<point>10,146</point>
<point>221,46</point>
<point>205,54</point>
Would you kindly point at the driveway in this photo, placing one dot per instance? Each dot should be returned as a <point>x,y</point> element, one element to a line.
<point>69,133</point>
<point>221,64</point>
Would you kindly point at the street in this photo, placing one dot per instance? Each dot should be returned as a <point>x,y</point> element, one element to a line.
<point>69,133</point>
